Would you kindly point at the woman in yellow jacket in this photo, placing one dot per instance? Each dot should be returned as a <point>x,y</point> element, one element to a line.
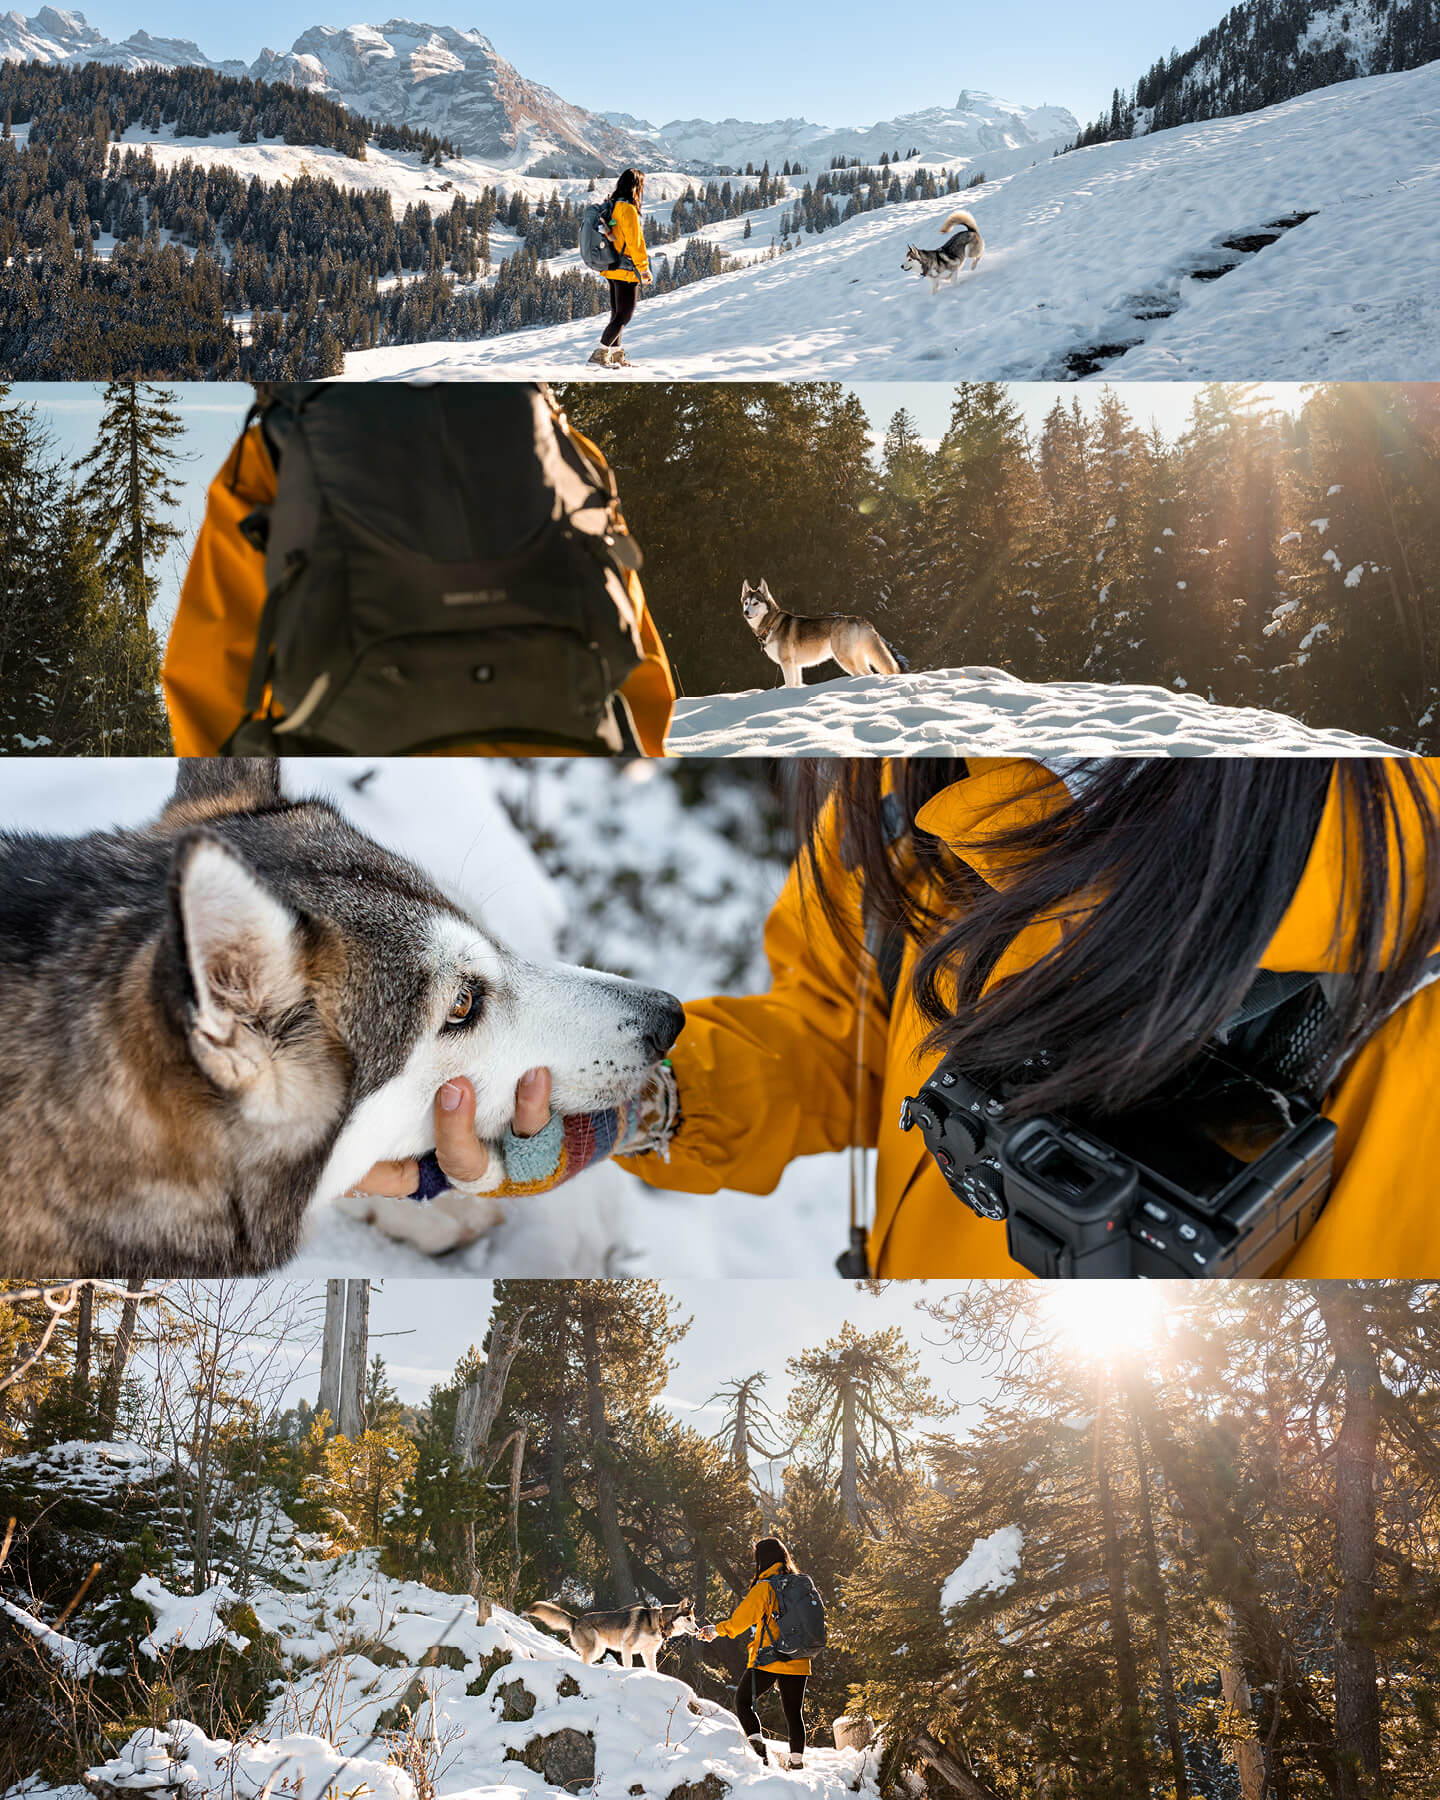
<point>756,1613</point>
<point>212,641</point>
<point>1112,913</point>
<point>627,234</point>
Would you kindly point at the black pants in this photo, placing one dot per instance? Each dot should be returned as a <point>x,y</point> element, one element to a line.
<point>623,295</point>
<point>753,1683</point>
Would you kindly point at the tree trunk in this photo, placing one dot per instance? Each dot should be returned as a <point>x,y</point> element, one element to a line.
<point>1159,1612</point>
<point>137,508</point>
<point>120,1356</point>
<point>479,1405</point>
<point>356,1355</point>
<point>558,1535</point>
<point>1249,1752</point>
<point>332,1351</point>
<point>1127,1681</point>
<point>950,1769</point>
<point>849,1457</point>
<point>84,1321</point>
<point>1357,1695</point>
<point>607,1505</point>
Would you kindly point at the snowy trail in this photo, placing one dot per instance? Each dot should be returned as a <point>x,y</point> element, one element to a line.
<point>504,1698</point>
<point>986,712</point>
<point>1097,264</point>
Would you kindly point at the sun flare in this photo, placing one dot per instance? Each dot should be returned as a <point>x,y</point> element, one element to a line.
<point>1105,1320</point>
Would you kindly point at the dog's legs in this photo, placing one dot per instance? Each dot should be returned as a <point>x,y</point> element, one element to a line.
<point>794,674</point>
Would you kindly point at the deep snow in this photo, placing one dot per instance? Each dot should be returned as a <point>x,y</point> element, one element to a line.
<point>939,712</point>
<point>1085,251</point>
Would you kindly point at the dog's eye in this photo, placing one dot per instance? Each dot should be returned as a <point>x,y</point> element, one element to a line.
<point>465,1004</point>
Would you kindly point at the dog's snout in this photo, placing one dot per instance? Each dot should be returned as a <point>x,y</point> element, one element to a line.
<point>660,1023</point>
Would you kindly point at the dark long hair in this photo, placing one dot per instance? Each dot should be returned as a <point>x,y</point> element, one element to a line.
<point>769,1551</point>
<point>629,184</point>
<point>1186,867</point>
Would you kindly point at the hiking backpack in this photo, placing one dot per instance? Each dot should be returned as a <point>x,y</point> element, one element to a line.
<point>596,250</point>
<point>798,1626</point>
<point>443,564</point>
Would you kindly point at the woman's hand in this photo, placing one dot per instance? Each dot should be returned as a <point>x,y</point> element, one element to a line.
<point>462,1156</point>
<point>709,1633</point>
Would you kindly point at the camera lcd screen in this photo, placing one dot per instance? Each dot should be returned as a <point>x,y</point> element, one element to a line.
<point>1203,1131</point>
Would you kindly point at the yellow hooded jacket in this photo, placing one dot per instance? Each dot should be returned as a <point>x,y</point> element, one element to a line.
<point>628,237</point>
<point>756,1613</point>
<point>768,1077</point>
<point>212,641</point>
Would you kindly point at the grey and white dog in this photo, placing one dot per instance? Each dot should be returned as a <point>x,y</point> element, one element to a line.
<point>797,642</point>
<point>946,263</point>
<point>212,1022</point>
<point>638,1630</point>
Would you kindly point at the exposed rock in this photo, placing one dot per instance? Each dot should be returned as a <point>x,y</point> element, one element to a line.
<point>516,1700</point>
<point>567,1687</point>
<point>398,1716</point>
<point>443,1656</point>
<point>488,1669</point>
<point>711,1788</point>
<point>563,1757</point>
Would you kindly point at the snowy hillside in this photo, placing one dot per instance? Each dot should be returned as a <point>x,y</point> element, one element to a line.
<point>989,712</point>
<point>375,1666</point>
<point>1295,243</point>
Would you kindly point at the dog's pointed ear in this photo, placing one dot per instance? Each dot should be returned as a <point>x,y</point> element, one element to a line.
<point>240,948</point>
<point>765,593</point>
<point>214,787</point>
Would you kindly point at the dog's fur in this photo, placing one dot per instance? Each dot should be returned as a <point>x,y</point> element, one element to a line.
<point>211,1022</point>
<point>946,263</point>
<point>638,1630</point>
<point>796,642</point>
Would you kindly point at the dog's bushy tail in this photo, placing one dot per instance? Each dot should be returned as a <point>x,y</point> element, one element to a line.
<point>960,217</point>
<point>545,1612</point>
<point>903,661</point>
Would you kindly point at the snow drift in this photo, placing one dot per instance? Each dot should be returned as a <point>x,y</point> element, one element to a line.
<point>942,712</point>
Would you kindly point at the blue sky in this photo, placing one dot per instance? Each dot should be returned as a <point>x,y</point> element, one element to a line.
<point>847,64</point>
<point>213,413</point>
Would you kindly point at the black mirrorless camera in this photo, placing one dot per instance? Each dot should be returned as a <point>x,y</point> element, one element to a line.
<point>1215,1174</point>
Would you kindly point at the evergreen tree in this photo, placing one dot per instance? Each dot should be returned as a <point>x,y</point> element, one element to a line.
<point>130,482</point>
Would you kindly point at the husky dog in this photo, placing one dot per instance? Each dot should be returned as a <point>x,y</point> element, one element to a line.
<point>208,1023</point>
<point>796,642</point>
<point>946,263</point>
<point>640,1630</point>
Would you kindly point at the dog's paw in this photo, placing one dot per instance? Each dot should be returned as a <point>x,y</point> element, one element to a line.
<point>449,1222</point>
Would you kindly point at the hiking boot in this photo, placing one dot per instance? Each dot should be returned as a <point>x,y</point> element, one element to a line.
<point>795,1760</point>
<point>757,1744</point>
<point>618,359</point>
<point>600,355</point>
